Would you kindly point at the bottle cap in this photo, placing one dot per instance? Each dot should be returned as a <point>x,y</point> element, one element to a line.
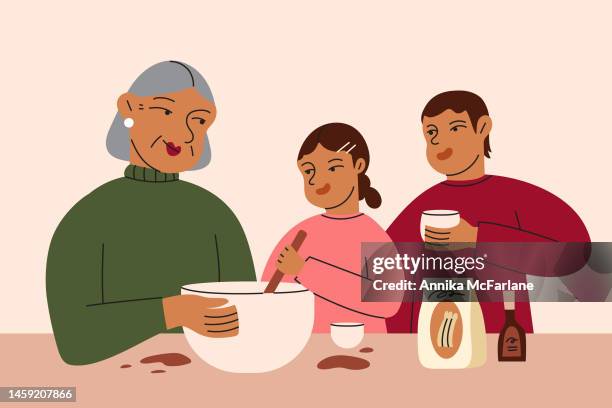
<point>508,299</point>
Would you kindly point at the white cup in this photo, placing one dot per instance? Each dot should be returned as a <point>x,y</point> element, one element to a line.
<point>439,219</point>
<point>346,334</point>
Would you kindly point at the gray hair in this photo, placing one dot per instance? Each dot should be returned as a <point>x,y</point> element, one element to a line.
<point>161,78</point>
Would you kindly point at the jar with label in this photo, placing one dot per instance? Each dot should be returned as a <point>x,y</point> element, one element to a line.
<point>451,326</point>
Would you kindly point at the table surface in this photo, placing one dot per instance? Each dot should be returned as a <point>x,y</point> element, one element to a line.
<point>562,369</point>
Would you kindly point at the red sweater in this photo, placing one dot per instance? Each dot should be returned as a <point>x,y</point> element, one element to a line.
<point>504,210</point>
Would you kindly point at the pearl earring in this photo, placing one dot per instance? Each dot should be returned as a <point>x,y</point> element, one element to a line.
<point>128,122</point>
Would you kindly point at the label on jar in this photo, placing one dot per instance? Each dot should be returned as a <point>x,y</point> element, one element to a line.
<point>446,329</point>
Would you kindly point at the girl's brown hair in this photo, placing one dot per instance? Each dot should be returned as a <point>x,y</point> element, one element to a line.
<point>340,136</point>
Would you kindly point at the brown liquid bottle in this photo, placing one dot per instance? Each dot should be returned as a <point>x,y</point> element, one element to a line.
<point>511,345</point>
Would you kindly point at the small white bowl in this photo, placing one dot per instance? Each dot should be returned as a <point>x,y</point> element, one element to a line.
<point>347,334</point>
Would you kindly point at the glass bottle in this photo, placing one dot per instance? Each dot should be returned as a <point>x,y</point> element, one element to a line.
<point>511,345</point>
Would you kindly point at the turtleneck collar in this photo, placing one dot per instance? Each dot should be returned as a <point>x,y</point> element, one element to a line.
<point>149,175</point>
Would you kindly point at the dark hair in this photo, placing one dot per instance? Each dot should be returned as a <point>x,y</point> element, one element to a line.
<point>336,136</point>
<point>459,101</point>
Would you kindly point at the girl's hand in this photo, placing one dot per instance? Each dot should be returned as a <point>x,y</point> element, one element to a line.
<point>289,261</point>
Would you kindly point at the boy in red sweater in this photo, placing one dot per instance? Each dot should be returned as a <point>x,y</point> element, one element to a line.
<point>456,126</point>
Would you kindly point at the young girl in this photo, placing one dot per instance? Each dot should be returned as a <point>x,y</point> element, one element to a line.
<point>333,160</point>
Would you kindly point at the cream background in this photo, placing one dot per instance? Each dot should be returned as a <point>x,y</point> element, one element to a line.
<point>277,72</point>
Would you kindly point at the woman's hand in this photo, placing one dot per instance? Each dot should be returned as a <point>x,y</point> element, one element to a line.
<point>289,261</point>
<point>202,315</point>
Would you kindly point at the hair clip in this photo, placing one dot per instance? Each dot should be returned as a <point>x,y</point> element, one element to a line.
<point>340,149</point>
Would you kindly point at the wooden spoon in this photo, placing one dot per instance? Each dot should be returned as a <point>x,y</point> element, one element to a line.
<point>278,275</point>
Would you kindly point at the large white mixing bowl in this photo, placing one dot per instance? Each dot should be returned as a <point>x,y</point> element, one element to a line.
<point>274,327</point>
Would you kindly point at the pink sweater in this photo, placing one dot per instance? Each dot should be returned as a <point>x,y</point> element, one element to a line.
<point>332,251</point>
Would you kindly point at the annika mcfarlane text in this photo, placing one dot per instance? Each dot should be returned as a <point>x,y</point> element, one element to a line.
<point>459,265</point>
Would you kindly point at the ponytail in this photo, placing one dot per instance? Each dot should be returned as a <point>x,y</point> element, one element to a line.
<point>371,195</point>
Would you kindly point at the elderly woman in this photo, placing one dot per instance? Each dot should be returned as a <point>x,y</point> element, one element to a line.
<point>119,257</point>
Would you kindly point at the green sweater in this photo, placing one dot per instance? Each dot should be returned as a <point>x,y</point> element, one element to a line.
<point>124,247</point>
